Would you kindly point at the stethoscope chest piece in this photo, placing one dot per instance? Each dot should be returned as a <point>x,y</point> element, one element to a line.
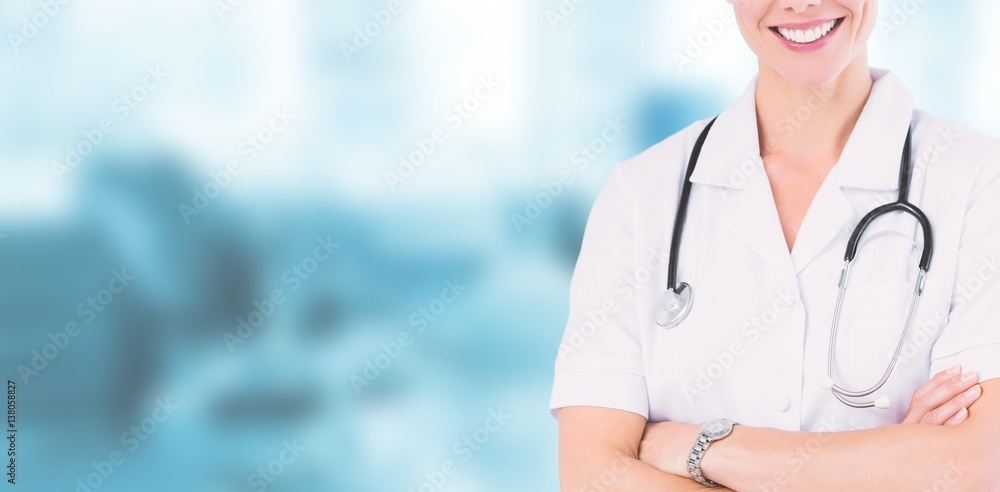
<point>674,305</point>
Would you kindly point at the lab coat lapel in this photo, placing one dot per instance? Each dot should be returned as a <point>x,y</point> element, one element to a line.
<point>731,164</point>
<point>831,217</point>
<point>870,161</point>
<point>753,218</point>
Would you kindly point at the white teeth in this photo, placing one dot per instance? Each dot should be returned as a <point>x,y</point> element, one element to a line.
<point>808,36</point>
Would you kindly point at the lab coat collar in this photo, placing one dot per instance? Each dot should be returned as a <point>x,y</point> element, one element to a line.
<point>731,154</point>
<point>731,161</point>
<point>872,156</point>
<point>870,160</point>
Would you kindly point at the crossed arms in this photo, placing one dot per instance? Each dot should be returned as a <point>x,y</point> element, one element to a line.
<point>950,437</point>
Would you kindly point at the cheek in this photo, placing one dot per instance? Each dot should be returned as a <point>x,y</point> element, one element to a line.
<point>867,12</point>
<point>750,12</point>
<point>748,17</point>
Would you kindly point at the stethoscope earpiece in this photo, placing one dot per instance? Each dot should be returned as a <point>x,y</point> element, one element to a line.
<point>826,382</point>
<point>882,402</point>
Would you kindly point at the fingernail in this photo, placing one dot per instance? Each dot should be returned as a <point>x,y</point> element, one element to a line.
<point>973,391</point>
<point>959,417</point>
<point>969,376</point>
<point>954,370</point>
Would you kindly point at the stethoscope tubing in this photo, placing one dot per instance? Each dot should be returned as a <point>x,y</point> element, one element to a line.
<point>682,206</point>
<point>901,204</point>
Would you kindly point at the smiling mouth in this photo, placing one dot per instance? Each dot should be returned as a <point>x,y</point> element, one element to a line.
<point>807,36</point>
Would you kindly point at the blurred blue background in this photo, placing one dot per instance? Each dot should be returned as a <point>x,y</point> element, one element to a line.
<point>317,246</point>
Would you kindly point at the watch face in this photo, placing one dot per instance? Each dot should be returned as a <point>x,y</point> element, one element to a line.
<point>717,429</point>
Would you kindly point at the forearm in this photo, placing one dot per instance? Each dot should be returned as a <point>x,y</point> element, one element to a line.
<point>898,457</point>
<point>599,450</point>
<point>612,471</point>
<point>923,454</point>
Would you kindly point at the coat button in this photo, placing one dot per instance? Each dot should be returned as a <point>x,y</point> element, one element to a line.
<point>781,403</point>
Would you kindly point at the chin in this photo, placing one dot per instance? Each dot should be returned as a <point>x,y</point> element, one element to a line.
<point>813,73</point>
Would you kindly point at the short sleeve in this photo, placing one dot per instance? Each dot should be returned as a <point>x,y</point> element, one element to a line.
<point>599,363</point>
<point>972,336</point>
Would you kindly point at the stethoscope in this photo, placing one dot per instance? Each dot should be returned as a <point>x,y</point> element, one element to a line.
<point>675,303</point>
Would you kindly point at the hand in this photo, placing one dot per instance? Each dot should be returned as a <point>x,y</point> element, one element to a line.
<point>945,399</point>
<point>666,445</point>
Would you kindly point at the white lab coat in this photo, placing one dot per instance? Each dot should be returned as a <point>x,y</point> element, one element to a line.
<point>754,346</point>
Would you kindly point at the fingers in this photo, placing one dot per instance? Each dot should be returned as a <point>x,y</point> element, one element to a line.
<point>943,397</point>
<point>921,402</point>
<point>936,381</point>
<point>960,405</point>
<point>958,394</point>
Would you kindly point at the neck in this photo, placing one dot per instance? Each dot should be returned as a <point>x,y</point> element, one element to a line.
<point>806,123</point>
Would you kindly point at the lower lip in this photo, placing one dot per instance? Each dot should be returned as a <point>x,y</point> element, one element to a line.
<point>813,46</point>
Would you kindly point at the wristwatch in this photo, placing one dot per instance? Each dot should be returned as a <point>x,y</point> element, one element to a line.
<point>710,432</point>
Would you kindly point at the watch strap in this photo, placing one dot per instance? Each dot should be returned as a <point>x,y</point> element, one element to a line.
<point>694,461</point>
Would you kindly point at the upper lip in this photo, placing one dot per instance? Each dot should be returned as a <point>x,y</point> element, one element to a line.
<point>803,26</point>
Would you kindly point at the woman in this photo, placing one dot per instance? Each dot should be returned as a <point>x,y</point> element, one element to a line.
<point>783,178</point>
